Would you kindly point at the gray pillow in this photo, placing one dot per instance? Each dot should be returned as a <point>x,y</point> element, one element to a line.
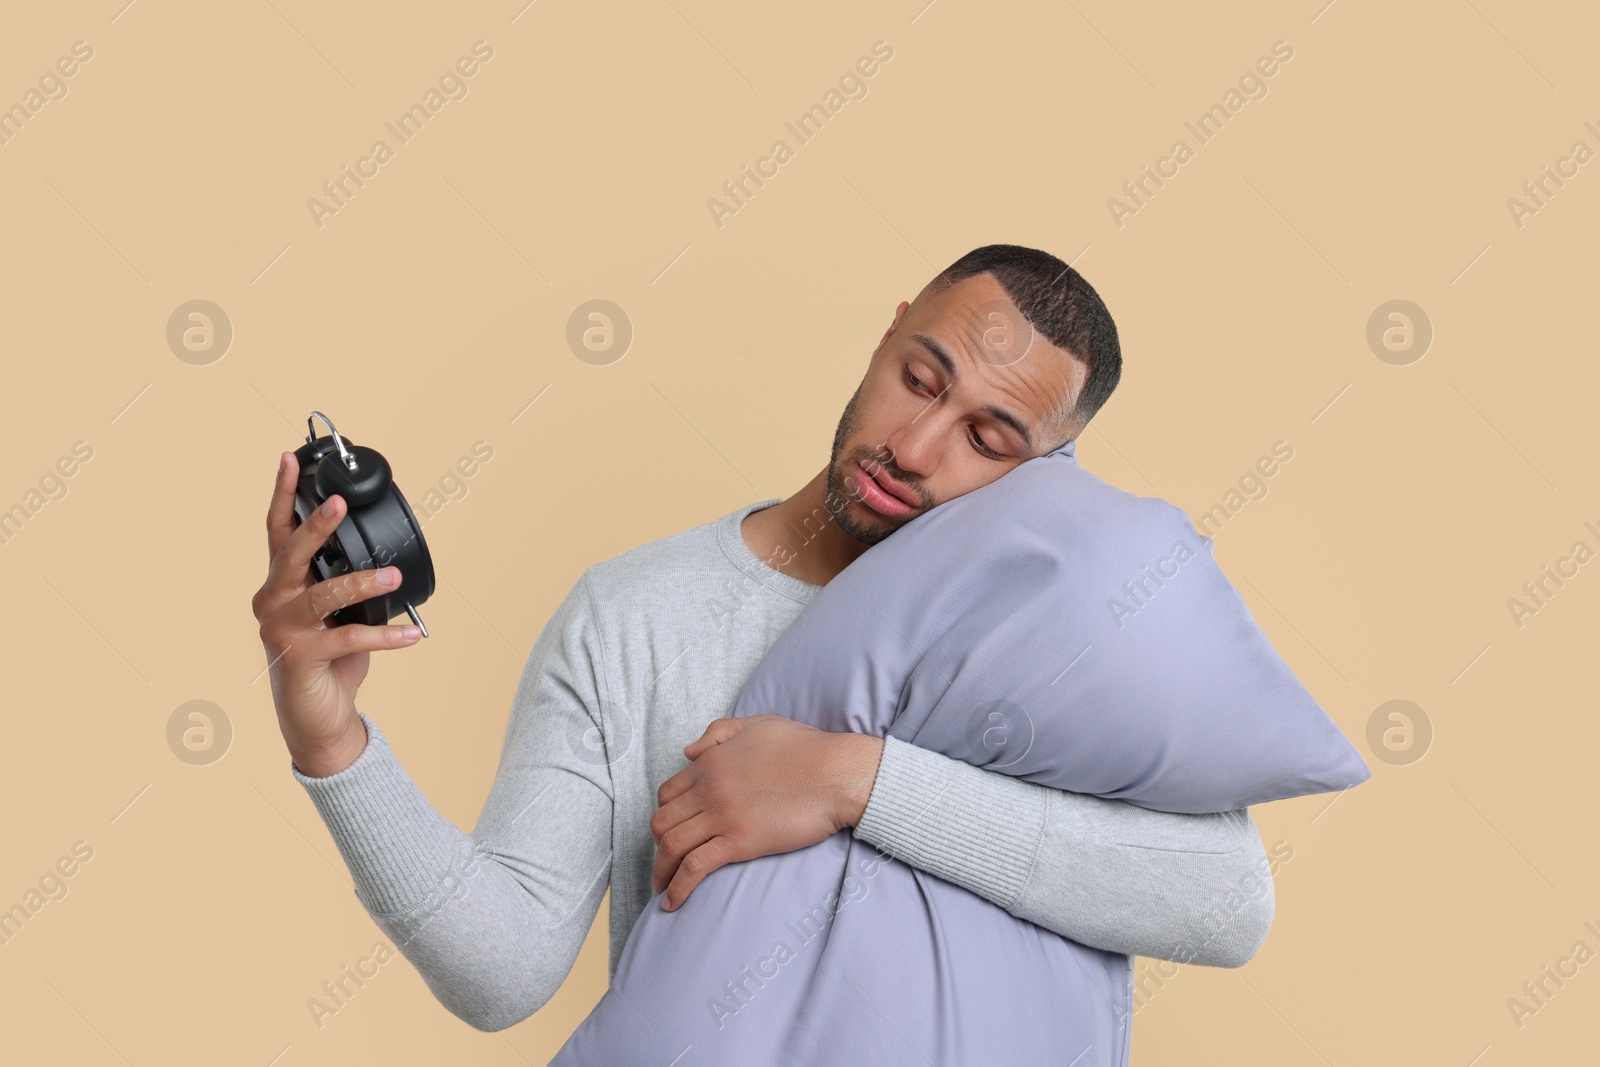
<point>1049,626</point>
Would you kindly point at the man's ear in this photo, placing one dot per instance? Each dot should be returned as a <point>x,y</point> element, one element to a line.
<point>899,313</point>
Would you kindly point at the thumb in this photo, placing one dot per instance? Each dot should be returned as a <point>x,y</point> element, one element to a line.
<point>718,731</point>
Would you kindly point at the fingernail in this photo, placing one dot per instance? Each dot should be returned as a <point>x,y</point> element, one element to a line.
<point>282,461</point>
<point>410,633</point>
<point>327,509</point>
<point>387,576</point>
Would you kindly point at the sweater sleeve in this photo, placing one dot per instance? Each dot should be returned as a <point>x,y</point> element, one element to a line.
<point>492,920</point>
<point>1105,873</point>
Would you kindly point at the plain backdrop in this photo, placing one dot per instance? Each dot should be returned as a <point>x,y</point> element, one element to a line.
<point>429,315</point>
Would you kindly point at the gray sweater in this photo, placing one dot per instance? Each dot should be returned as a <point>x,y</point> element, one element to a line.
<point>645,650</point>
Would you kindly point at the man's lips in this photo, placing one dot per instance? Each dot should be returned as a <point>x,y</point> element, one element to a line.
<point>884,494</point>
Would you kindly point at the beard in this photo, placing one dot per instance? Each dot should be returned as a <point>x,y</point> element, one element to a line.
<point>840,498</point>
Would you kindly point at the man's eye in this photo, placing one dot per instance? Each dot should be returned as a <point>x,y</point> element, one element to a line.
<point>977,441</point>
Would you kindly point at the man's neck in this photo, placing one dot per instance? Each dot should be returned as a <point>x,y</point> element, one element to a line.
<point>799,537</point>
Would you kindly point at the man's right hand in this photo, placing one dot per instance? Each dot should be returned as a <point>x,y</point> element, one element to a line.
<point>316,668</point>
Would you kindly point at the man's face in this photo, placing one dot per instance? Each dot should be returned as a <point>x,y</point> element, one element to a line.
<point>958,392</point>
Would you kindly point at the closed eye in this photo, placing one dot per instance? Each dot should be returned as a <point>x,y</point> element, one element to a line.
<point>917,384</point>
<point>912,379</point>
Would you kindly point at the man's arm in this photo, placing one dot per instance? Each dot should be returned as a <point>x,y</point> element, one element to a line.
<point>492,921</point>
<point>1190,888</point>
<point>1105,873</point>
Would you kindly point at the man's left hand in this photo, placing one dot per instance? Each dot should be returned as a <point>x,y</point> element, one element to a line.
<point>757,785</point>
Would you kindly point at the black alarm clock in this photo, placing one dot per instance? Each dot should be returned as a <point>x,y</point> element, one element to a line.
<point>378,529</point>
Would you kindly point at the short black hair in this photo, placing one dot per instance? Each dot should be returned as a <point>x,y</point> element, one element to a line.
<point>1057,302</point>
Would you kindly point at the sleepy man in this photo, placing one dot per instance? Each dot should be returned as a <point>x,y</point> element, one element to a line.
<point>616,769</point>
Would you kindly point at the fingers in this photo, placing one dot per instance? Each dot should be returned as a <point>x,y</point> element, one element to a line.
<point>292,562</point>
<point>280,513</point>
<point>715,853</point>
<point>672,812</point>
<point>328,596</point>
<point>675,787</point>
<point>676,843</point>
<point>324,646</point>
<point>296,627</point>
<point>716,733</point>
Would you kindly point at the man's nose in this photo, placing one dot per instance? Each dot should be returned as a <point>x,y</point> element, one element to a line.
<point>914,448</point>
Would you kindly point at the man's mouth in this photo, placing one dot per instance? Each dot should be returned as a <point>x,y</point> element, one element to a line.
<point>885,496</point>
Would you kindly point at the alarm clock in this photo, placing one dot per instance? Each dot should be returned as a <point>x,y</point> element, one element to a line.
<point>378,529</point>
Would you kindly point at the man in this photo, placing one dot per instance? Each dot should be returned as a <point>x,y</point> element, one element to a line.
<point>1004,356</point>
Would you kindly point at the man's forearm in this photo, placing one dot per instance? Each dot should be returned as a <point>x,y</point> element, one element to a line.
<point>491,949</point>
<point>1105,873</point>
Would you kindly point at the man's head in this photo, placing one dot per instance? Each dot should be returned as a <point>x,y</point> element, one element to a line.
<point>1005,355</point>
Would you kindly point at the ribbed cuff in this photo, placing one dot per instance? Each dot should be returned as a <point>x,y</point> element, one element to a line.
<point>979,829</point>
<point>397,847</point>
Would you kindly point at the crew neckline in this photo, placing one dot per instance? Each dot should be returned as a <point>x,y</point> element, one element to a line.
<point>731,538</point>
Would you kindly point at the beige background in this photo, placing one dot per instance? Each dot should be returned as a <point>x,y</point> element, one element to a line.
<point>431,310</point>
